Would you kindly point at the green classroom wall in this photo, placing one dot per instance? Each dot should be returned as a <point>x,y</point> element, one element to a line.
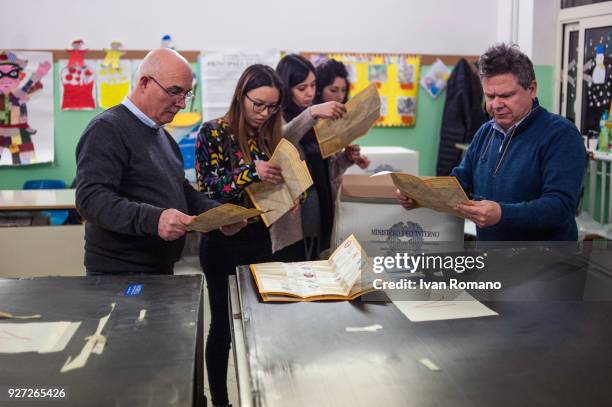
<point>424,137</point>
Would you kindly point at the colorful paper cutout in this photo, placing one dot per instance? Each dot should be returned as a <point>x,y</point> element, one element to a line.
<point>21,76</point>
<point>166,42</point>
<point>434,82</point>
<point>113,55</point>
<point>77,79</point>
<point>114,77</point>
<point>77,54</point>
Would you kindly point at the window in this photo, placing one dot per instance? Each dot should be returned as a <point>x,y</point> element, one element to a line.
<point>585,65</point>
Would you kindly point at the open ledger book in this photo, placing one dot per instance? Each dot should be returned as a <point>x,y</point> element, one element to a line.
<point>222,215</point>
<point>344,276</point>
<point>276,200</point>
<point>362,111</point>
<point>438,193</point>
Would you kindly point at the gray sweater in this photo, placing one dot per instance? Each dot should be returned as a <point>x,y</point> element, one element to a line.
<point>127,174</point>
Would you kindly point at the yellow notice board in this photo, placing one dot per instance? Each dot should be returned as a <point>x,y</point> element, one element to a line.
<point>395,75</point>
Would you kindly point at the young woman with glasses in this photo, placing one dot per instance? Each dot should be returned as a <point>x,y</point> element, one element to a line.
<point>231,154</point>
<point>315,215</point>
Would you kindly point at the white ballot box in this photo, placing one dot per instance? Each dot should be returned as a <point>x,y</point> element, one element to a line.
<point>366,207</point>
<point>394,159</point>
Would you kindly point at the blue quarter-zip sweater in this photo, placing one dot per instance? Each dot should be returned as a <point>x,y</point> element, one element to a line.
<point>535,173</point>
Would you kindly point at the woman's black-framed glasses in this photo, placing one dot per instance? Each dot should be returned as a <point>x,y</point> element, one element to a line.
<point>174,94</point>
<point>259,107</point>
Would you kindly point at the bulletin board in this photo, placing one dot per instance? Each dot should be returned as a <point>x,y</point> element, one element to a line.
<point>395,75</point>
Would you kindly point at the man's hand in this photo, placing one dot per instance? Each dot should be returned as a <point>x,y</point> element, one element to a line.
<point>328,110</point>
<point>173,224</point>
<point>405,201</point>
<point>268,172</point>
<point>232,229</point>
<point>482,213</point>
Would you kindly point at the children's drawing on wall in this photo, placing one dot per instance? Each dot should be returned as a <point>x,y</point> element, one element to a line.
<point>377,73</point>
<point>597,86</point>
<point>383,106</point>
<point>77,79</point>
<point>26,107</point>
<point>406,106</point>
<point>434,82</point>
<point>114,76</point>
<point>405,75</point>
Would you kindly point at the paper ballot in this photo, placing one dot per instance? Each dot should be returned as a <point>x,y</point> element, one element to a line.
<point>276,200</point>
<point>344,276</point>
<point>438,193</point>
<point>222,215</point>
<point>444,304</point>
<point>41,337</point>
<point>362,111</point>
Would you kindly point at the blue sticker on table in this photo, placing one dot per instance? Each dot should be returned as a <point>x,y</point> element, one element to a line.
<point>133,289</point>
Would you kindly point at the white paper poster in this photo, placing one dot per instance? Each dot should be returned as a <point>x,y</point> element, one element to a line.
<point>26,107</point>
<point>220,71</point>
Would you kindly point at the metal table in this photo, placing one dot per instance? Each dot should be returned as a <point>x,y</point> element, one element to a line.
<point>550,352</point>
<point>155,362</point>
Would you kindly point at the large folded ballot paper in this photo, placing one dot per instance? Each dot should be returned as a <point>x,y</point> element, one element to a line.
<point>388,158</point>
<point>346,275</point>
<point>367,208</point>
<point>222,215</point>
<point>438,193</point>
<point>276,200</point>
<point>362,111</point>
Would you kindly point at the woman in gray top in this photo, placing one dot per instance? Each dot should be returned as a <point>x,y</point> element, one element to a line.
<point>304,233</point>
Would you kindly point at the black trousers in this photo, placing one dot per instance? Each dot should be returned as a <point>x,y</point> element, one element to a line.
<point>219,256</point>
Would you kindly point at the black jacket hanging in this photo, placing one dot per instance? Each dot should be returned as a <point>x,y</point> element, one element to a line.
<point>463,115</point>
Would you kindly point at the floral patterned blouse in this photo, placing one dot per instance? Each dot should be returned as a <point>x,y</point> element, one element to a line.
<point>221,169</point>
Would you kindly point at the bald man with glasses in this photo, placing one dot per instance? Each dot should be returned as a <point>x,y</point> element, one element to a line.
<point>131,187</point>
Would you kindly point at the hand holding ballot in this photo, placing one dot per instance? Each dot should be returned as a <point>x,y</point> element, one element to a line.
<point>229,218</point>
<point>276,199</point>
<point>362,111</point>
<point>268,172</point>
<point>328,110</point>
<point>441,194</point>
<point>482,213</point>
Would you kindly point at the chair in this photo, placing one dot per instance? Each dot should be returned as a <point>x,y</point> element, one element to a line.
<point>56,217</point>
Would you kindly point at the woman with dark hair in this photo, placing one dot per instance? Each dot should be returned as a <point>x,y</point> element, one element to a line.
<point>332,82</point>
<point>314,218</point>
<point>333,85</point>
<point>232,153</point>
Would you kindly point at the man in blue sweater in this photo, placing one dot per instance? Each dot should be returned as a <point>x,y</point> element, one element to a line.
<point>524,168</point>
<point>130,184</point>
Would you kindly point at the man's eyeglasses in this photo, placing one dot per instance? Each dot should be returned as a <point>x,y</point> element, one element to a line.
<point>177,95</point>
<point>259,107</point>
